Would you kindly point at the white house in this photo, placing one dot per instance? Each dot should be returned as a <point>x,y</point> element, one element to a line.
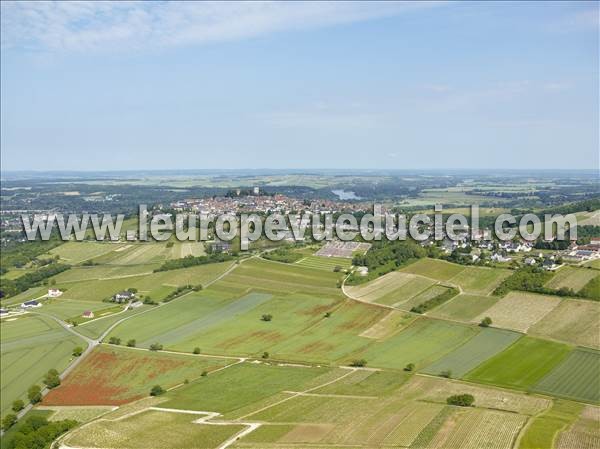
<point>31,304</point>
<point>54,293</point>
<point>500,258</point>
<point>123,296</point>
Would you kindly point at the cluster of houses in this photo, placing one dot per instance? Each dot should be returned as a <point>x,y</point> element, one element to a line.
<point>583,253</point>
<point>120,298</point>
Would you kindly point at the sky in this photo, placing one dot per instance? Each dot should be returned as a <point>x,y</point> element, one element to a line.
<point>200,85</point>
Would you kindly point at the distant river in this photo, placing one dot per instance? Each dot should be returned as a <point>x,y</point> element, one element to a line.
<point>345,195</point>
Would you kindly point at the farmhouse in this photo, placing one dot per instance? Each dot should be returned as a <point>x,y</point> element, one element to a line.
<point>88,314</point>
<point>135,305</point>
<point>54,293</point>
<point>3,312</point>
<point>31,304</point>
<point>549,265</point>
<point>123,296</point>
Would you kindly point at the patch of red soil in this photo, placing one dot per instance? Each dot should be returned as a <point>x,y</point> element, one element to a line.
<point>109,378</point>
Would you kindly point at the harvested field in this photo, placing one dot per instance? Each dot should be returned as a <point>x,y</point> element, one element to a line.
<point>152,429</point>
<point>78,413</point>
<point>388,325</point>
<point>575,378</point>
<point>573,321</point>
<point>374,290</point>
<point>113,376</point>
<point>572,278</point>
<point>519,311</point>
<point>408,429</point>
<point>465,307</point>
<point>478,429</point>
<point>437,389</point>
<point>583,433</point>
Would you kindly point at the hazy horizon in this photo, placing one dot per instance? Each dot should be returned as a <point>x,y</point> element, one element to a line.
<point>406,86</point>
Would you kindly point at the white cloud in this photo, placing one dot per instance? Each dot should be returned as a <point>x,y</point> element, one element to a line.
<point>83,26</point>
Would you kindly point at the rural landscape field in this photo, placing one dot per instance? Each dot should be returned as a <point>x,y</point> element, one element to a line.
<point>299,224</point>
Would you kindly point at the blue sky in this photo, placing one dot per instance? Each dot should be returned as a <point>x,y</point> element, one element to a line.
<point>299,85</point>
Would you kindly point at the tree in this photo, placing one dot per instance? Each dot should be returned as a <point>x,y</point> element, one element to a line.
<point>197,350</point>
<point>131,343</point>
<point>265,355</point>
<point>114,341</point>
<point>486,322</point>
<point>462,400</point>
<point>8,421</point>
<point>156,390</point>
<point>77,351</point>
<point>327,314</point>
<point>52,379</point>
<point>204,373</point>
<point>34,394</point>
<point>358,363</point>
<point>446,373</point>
<point>18,405</point>
<point>156,347</point>
<point>266,317</point>
<point>409,367</point>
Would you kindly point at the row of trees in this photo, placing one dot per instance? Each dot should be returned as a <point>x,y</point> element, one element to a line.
<point>11,287</point>
<point>191,261</point>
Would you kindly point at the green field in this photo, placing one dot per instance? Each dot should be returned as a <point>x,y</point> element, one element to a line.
<point>433,268</point>
<point>241,385</point>
<point>522,365</point>
<point>543,429</point>
<point>30,346</point>
<point>465,307</point>
<point>156,285</point>
<point>274,277</point>
<point>324,263</point>
<point>74,253</point>
<point>422,297</point>
<point>592,289</point>
<point>332,339</point>
<point>391,288</point>
<point>113,375</point>
<point>475,351</point>
<point>153,430</point>
<point>421,343</point>
<point>480,280</point>
<point>72,308</point>
<point>577,377</point>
